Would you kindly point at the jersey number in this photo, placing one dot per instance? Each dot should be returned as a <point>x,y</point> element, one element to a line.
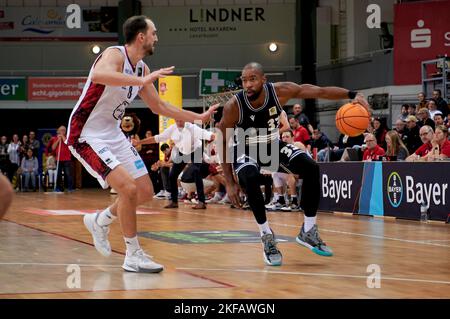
<point>273,124</point>
<point>130,92</point>
<point>286,150</point>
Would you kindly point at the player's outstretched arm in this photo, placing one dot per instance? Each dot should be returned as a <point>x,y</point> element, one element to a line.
<point>230,117</point>
<point>290,90</point>
<point>150,96</point>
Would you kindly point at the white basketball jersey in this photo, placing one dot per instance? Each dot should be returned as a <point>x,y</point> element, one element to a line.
<point>100,108</point>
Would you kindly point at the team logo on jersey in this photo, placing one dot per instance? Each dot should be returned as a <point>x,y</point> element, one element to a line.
<point>252,117</point>
<point>273,111</point>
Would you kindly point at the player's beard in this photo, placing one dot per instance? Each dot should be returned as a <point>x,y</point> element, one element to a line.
<point>254,96</point>
<point>148,49</point>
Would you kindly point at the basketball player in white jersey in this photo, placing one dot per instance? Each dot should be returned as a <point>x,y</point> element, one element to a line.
<point>95,138</point>
<point>6,194</point>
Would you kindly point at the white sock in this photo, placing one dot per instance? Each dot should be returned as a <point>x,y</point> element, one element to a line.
<point>105,218</point>
<point>276,197</point>
<point>132,244</point>
<point>309,223</point>
<point>264,229</point>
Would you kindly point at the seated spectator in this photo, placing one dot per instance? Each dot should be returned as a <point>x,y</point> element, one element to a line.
<point>51,171</point>
<point>322,143</point>
<point>150,155</point>
<point>412,109</point>
<point>442,104</point>
<point>424,118</point>
<point>422,101</point>
<point>344,142</point>
<point>29,168</point>
<point>302,118</point>
<point>300,133</point>
<point>373,151</point>
<point>163,169</point>
<point>400,127</point>
<point>432,109</point>
<point>404,113</point>
<point>438,119</point>
<point>447,120</point>
<point>441,144</point>
<point>411,138</point>
<point>380,130</point>
<point>396,150</point>
<point>426,135</point>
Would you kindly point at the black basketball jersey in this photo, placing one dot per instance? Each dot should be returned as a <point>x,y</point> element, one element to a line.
<point>260,125</point>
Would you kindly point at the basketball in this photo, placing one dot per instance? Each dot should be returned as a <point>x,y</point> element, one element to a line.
<point>352,119</point>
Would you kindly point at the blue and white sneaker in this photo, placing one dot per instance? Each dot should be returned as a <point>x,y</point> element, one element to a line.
<point>311,240</point>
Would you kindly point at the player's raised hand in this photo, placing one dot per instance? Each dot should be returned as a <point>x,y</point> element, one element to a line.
<point>161,73</point>
<point>206,116</point>
<point>359,98</point>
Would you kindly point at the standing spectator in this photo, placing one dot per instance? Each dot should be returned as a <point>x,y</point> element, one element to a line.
<point>14,149</point>
<point>300,132</point>
<point>424,118</point>
<point>4,158</point>
<point>373,151</point>
<point>396,150</point>
<point>432,109</point>
<point>441,144</point>
<point>426,135</point>
<point>380,130</point>
<point>404,112</point>
<point>438,119</point>
<point>412,135</point>
<point>29,168</point>
<point>422,101</point>
<point>302,118</point>
<point>24,146</point>
<point>63,157</point>
<point>34,143</point>
<point>440,102</point>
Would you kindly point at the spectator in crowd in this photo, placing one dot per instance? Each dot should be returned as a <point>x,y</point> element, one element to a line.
<point>438,119</point>
<point>373,151</point>
<point>162,167</point>
<point>302,118</point>
<point>380,130</point>
<point>63,159</point>
<point>447,121</point>
<point>34,144</point>
<point>404,112</point>
<point>396,150</point>
<point>424,118</point>
<point>411,138</point>
<point>426,135</point>
<point>432,109</point>
<point>442,104</point>
<point>14,149</point>
<point>322,143</point>
<point>422,101</point>
<point>29,169</point>
<point>400,127</point>
<point>150,155</point>
<point>412,109</point>
<point>441,144</point>
<point>25,145</point>
<point>300,132</point>
<point>51,171</point>
<point>4,158</point>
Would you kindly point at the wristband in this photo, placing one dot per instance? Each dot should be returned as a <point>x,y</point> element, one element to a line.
<point>352,94</point>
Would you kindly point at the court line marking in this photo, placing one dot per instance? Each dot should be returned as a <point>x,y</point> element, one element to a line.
<point>51,264</point>
<point>422,242</point>
<point>316,274</point>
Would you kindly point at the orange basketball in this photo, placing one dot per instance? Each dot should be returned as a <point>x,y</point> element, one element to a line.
<point>352,119</point>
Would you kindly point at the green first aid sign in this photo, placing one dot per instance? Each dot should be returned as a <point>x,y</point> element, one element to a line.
<point>217,80</point>
<point>13,89</point>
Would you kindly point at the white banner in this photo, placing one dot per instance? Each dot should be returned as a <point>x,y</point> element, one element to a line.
<point>225,24</point>
<point>49,23</point>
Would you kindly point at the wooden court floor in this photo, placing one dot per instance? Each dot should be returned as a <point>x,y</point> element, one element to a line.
<point>215,253</point>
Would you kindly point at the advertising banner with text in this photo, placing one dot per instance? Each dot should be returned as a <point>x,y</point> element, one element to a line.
<point>55,88</point>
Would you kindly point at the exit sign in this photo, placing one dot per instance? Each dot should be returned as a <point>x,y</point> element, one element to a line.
<point>217,80</point>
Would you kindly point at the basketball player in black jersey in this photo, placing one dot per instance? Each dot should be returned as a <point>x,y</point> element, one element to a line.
<point>6,194</point>
<point>256,109</point>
